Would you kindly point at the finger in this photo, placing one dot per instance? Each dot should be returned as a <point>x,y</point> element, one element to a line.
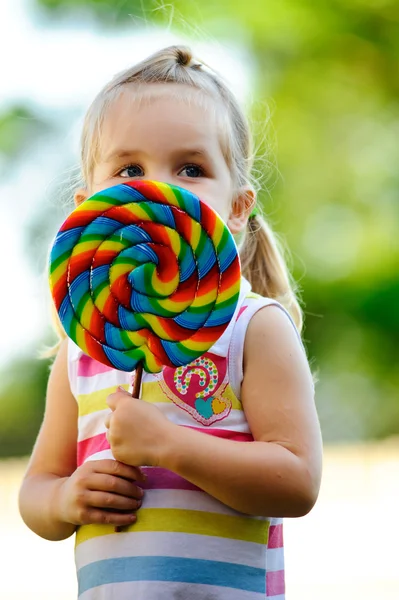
<point>114,502</point>
<point>112,400</point>
<point>116,485</point>
<point>107,420</point>
<point>114,467</point>
<point>122,390</point>
<point>105,517</point>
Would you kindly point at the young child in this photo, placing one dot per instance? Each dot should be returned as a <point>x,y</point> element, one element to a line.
<point>202,477</point>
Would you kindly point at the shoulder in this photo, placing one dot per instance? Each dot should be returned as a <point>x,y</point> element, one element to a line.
<point>270,321</point>
<point>59,368</point>
<point>272,342</point>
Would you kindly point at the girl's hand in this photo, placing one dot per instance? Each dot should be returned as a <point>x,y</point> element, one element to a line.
<point>101,491</point>
<point>137,430</point>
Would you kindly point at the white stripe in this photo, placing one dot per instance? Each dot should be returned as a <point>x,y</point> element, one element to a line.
<point>93,423</point>
<point>190,500</point>
<point>102,381</point>
<point>104,454</point>
<point>159,590</point>
<point>157,543</point>
<point>275,559</point>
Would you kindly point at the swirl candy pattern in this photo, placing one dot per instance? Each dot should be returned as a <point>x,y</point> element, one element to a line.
<point>144,272</point>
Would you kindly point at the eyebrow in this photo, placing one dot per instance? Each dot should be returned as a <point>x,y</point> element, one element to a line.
<point>125,153</point>
<point>116,154</point>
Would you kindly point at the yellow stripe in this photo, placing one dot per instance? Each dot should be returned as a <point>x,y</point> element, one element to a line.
<point>195,235</point>
<point>205,299</point>
<point>156,326</point>
<point>85,246</point>
<point>151,393</point>
<point>59,272</point>
<point>200,347</point>
<point>175,241</point>
<point>166,288</point>
<point>230,395</point>
<point>102,298</point>
<point>87,313</point>
<point>95,401</point>
<point>186,521</point>
<point>228,293</point>
<point>113,245</point>
<point>138,211</point>
<point>81,338</point>
<point>218,233</point>
<point>118,270</point>
<point>95,205</point>
<point>168,193</point>
<point>172,306</point>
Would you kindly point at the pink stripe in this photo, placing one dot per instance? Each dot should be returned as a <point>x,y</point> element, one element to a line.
<point>241,311</point>
<point>162,479</point>
<point>226,434</point>
<point>99,442</point>
<point>275,536</point>
<point>91,445</point>
<point>88,367</point>
<point>275,584</point>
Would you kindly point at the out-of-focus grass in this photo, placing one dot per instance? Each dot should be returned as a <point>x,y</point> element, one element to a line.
<point>344,549</point>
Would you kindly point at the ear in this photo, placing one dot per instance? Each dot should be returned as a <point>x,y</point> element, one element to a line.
<point>81,194</point>
<point>243,203</point>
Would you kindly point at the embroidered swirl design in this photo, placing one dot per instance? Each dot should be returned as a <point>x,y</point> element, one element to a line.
<point>205,369</point>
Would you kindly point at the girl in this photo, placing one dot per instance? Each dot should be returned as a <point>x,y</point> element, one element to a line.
<point>200,507</point>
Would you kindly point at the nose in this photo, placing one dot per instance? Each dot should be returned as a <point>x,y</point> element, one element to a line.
<point>159,174</point>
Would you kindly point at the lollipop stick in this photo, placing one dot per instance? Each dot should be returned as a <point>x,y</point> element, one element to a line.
<point>135,394</point>
<point>137,380</point>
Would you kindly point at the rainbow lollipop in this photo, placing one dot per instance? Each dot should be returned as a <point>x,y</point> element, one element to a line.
<point>144,273</point>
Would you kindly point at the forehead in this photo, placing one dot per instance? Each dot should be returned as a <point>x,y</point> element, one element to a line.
<point>143,114</point>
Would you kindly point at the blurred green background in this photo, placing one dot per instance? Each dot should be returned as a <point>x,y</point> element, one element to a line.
<point>321,86</point>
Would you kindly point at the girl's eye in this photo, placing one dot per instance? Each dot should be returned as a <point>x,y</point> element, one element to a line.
<point>132,171</point>
<point>192,171</point>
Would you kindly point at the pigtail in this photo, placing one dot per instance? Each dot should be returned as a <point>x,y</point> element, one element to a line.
<point>263,265</point>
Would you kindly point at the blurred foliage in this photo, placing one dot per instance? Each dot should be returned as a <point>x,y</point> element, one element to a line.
<point>22,393</point>
<point>18,125</point>
<point>329,73</point>
<point>108,14</point>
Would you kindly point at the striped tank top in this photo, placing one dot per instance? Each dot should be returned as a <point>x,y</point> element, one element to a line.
<point>185,544</point>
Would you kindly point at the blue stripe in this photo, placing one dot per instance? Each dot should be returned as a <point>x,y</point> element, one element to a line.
<point>166,568</point>
<point>65,241</point>
<point>134,234</point>
<point>78,288</point>
<point>123,361</point>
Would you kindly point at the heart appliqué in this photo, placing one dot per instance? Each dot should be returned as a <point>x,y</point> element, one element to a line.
<point>198,388</point>
<point>218,406</point>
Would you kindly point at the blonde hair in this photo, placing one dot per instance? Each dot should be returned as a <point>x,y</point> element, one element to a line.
<point>262,261</point>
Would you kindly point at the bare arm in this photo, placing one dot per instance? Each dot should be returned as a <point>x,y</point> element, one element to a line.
<point>279,474</point>
<point>276,475</point>
<point>55,495</point>
<point>53,459</point>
